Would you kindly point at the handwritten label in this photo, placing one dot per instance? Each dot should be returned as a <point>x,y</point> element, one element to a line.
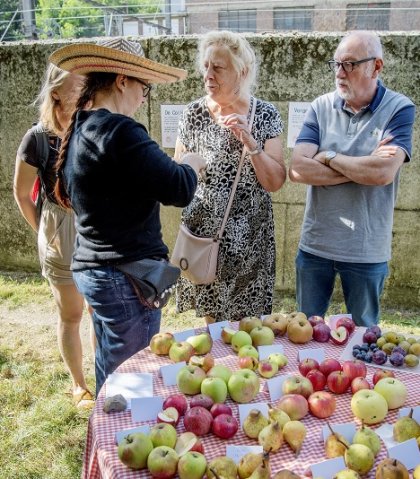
<point>406,452</point>
<point>328,469</point>
<point>170,371</point>
<point>275,386</point>
<point>215,329</point>
<point>405,411</point>
<point>146,409</point>
<point>312,353</point>
<point>348,430</point>
<point>265,351</point>
<point>238,452</point>
<point>183,335</point>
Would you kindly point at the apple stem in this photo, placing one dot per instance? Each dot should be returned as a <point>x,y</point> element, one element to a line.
<point>410,414</point>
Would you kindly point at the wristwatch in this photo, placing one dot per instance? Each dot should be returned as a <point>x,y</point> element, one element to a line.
<point>257,151</point>
<point>329,155</point>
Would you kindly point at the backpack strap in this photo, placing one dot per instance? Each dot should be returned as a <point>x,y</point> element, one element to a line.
<point>42,152</point>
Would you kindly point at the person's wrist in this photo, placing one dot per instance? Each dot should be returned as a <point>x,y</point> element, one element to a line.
<point>255,151</point>
<point>329,155</point>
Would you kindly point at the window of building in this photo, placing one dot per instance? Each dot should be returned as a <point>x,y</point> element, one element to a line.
<point>293,19</point>
<point>373,16</point>
<point>238,20</point>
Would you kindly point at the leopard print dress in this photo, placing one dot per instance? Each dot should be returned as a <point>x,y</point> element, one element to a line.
<point>246,263</point>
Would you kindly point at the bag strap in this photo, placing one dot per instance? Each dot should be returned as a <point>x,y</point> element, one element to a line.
<point>238,174</point>
<point>42,144</point>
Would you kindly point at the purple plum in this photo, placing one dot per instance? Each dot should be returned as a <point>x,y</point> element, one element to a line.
<point>396,359</point>
<point>379,357</point>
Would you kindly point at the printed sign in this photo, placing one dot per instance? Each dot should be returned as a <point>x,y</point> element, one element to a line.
<point>297,112</point>
<point>170,116</point>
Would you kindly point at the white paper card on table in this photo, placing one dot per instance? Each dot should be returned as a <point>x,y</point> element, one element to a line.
<point>215,329</point>
<point>245,408</point>
<point>275,386</point>
<point>170,371</point>
<point>183,335</point>
<point>129,385</point>
<point>332,320</point>
<point>120,435</point>
<point>146,409</point>
<point>312,353</point>
<point>405,411</point>
<point>386,433</point>
<point>348,430</point>
<point>406,452</point>
<point>265,351</point>
<point>329,468</point>
<point>238,452</point>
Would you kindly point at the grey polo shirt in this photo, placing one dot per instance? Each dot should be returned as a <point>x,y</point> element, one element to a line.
<point>353,222</point>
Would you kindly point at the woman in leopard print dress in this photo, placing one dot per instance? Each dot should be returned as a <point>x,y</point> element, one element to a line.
<point>216,127</point>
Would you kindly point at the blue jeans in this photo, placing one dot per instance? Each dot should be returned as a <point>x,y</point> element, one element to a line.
<point>362,285</point>
<point>123,326</point>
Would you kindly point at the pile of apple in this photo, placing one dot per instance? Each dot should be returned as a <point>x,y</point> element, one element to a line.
<point>322,333</point>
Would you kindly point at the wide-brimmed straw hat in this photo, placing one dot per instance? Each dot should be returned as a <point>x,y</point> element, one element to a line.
<point>117,55</point>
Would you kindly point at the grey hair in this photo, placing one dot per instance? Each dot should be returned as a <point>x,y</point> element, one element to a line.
<point>241,53</point>
<point>370,40</point>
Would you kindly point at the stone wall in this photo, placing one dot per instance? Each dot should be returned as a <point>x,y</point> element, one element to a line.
<point>292,68</point>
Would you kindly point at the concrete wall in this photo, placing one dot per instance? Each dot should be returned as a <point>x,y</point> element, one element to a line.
<point>292,68</point>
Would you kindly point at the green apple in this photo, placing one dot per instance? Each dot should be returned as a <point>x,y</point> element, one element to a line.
<point>248,323</point>
<point>215,388</point>
<point>369,406</point>
<point>189,379</point>
<point>134,449</point>
<point>243,386</point>
<point>248,350</point>
<point>163,462</point>
<point>161,343</point>
<point>393,390</point>
<point>240,338</point>
<point>181,351</point>
<point>220,371</point>
<point>267,368</point>
<point>202,343</point>
<point>278,358</point>
<point>163,434</point>
<point>262,336</point>
<point>192,465</point>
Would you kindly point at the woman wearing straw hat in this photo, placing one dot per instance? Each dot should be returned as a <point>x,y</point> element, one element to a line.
<point>114,176</point>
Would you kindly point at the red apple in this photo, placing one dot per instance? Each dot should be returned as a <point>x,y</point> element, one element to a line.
<point>294,405</point>
<point>248,362</point>
<point>201,400</point>
<point>170,415</point>
<point>382,373</point>
<point>178,401</point>
<point>224,426</point>
<point>328,366</point>
<point>321,332</point>
<point>321,404</point>
<point>348,323</point>
<point>317,379</point>
<point>297,385</point>
<point>339,336</point>
<point>188,441</point>
<point>338,382</point>
<point>359,383</point>
<point>354,368</point>
<point>219,408</point>
<point>307,365</point>
<point>198,420</point>
<point>314,320</point>
<point>204,362</point>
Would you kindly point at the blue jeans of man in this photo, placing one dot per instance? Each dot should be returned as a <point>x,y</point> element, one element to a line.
<point>123,326</point>
<point>362,285</point>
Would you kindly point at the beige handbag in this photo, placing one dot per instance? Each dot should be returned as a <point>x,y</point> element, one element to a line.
<point>197,256</point>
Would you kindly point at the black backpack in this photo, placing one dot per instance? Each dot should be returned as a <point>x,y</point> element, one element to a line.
<point>42,153</point>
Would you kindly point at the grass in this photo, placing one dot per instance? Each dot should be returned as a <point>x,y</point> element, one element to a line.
<point>42,435</point>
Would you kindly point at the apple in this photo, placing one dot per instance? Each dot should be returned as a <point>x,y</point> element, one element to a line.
<point>267,368</point>
<point>198,420</point>
<point>202,400</point>
<point>224,426</point>
<point>189,379</point>
<point>161,343</point>
<point>348,323</point>
<point>369,406</point>
<point>307,365</point>
<point>277,322</point>
<point>314,320</point>
<point>188,441</point>
<point>216,388</point>
<point>219,408</point>
<point>248,323</point>
<point>321,332</point>
<point>354,368</point>
<point>382,373</point>
<point>220,371</point>
<point>393,390</point>
<point>248,362</point>
<point>321,404</point>
<point>339,336</point>
<point>163,434</point>
<point>169,415</point>
<point>294,405</point>
<point>262,336</point>
<point>328,366</point>
<point>317,379</point>
<point>134,449</point>
<point>181,351</point>
<point>243,386</point>
<point>192,465</point>
<point>202,343</point>
<point>278,358</point>
<point>204,362</point>
<point>248,350</point>
<point>162,462</point>
<point>299,331</point>
<point>240,338</point>
<point>338,382</point>
<point>359,383</point>
<point>178,401</point>
<point>297,385</point>
<point>227,334</point>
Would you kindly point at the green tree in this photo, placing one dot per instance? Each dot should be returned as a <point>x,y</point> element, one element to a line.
<point>10,21</point>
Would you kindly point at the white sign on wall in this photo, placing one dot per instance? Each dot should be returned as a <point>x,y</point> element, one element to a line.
<point>297,112</point>
<point>170,116</point>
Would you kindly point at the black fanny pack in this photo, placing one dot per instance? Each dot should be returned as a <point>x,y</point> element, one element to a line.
<point>152,279</point>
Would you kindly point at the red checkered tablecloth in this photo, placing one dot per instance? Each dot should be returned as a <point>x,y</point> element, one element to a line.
<point>101,459</point>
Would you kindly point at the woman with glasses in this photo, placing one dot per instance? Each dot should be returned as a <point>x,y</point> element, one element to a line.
<point>114,176</point>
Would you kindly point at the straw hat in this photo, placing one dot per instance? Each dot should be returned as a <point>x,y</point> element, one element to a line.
<point>117,55</point>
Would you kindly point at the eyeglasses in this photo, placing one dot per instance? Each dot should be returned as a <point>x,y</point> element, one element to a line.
<point>146,86</point>
<point>348,66</point>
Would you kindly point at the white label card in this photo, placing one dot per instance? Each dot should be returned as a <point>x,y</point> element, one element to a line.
<point>146,409</point>
<point>386,433</point>
<point>312,353</point>
<point>275,386</point>
<point>170,116</point>
<point>348,430</point>
<point>129,385</point>
<point>328,469</point>
<point>405,411</point>
<point>406,452</point>
<point>183,335</point>
<point>265,351</point>
<point>332,320</point>
<point>170,371</point>
<point>215,329</point>
<point>297,112</point>
<point>238,452</point>
<point>120,435</point>
<point>245,408</point>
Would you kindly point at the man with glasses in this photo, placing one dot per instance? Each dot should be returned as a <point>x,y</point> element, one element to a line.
<point>349,152</point>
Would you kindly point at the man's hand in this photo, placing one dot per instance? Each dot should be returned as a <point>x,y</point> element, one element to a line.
<point>385,151</point>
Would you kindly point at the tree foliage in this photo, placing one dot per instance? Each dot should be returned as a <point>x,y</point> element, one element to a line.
<point>9,21</point>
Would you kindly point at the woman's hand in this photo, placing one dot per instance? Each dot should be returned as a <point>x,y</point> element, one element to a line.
<point>196,161</point>
<point>238,125</point>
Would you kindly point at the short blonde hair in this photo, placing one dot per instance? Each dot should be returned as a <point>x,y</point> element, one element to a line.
<point>241,53</point>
